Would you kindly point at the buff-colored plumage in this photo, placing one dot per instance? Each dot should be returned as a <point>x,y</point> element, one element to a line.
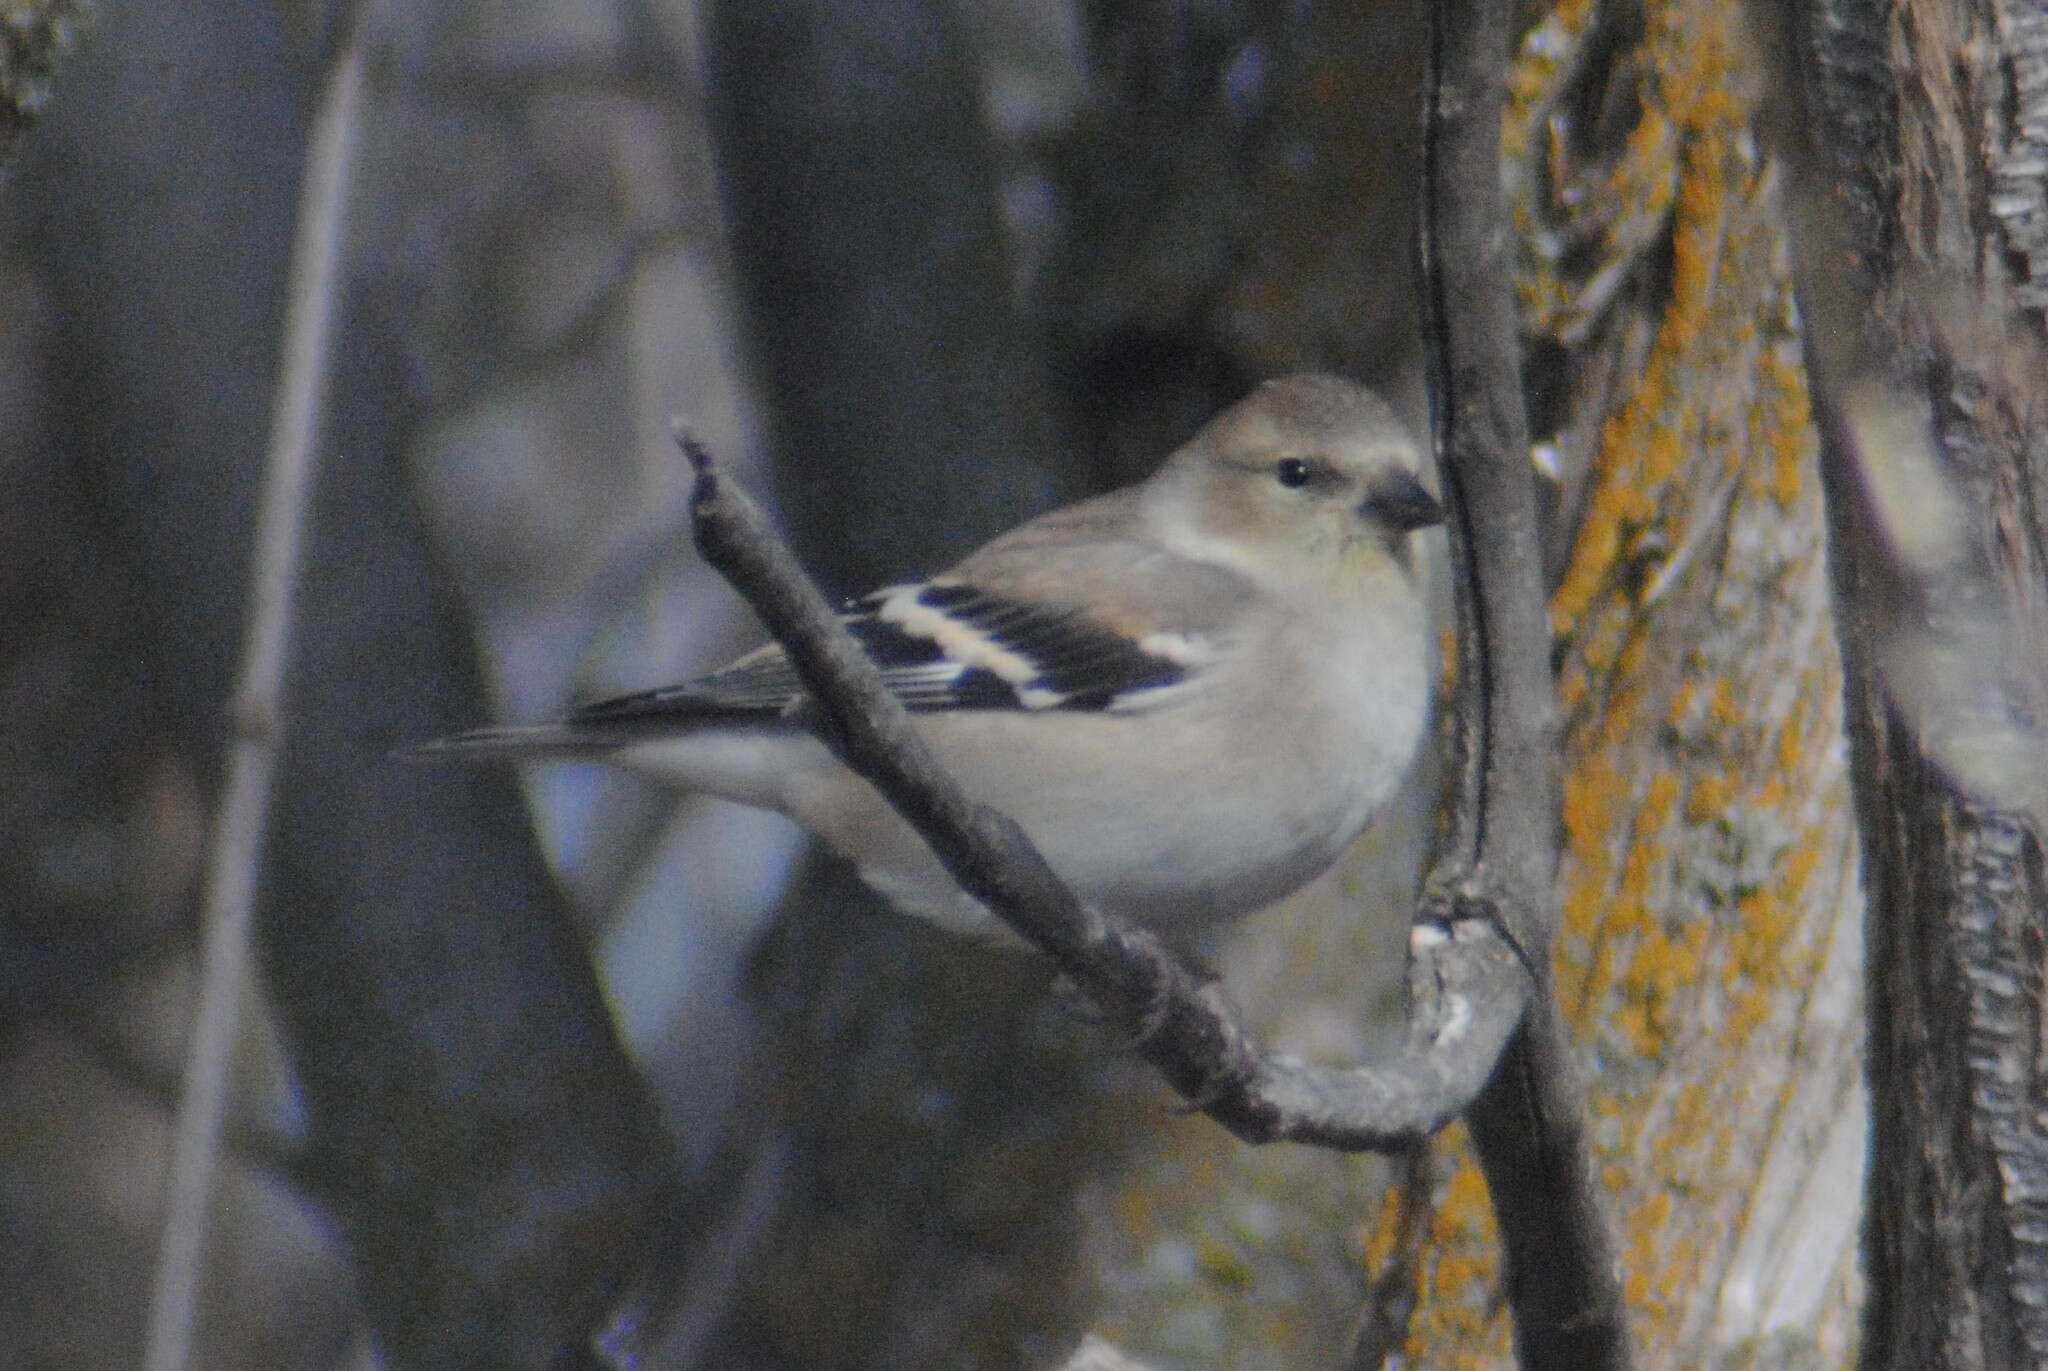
<point>1192,694</point>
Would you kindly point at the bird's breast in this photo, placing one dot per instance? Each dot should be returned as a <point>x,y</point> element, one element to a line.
<point>1245,788</point>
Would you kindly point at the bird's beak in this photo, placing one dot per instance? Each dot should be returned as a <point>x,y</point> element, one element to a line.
<point>1399,500</point>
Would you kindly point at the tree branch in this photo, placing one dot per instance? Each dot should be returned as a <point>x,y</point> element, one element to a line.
<point>243,820</point>
<point>1391,1296</point>
<point>1501,862</point>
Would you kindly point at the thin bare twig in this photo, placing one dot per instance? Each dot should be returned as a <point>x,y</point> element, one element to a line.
<point>240,825</point>
<point>1391,1297</point>
<point>1465,983</point>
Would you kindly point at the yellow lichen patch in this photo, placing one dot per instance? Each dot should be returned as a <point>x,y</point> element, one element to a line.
<point>1644,182</point>
<point>1800,864</point>
<point>1722,707</point>
<point>1382,1231</point>
<point>1661,969</point>
<point>1222,1264</point>
<point>1660,799</point>
<point>1645,1227</point>
<point>1134,1211</point>
<point>1700,750</point>
<point>1709,798</point>
<point>1703,798</point>
<point>1457,1323</point>
<point>1782,421</point>
<point>1533,79</point>
<point>1681,703</point>
<point>1786,752</point>
<point>1687,137</point>
<point>1593,801</point>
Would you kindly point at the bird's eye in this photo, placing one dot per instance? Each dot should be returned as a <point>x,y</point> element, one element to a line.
<point>1293,472</point>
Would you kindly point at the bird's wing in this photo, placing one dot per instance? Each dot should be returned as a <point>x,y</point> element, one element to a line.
<point>1059,614</point>
<point>946,645</point>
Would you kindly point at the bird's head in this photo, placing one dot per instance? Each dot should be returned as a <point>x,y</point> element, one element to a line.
<point>1307,477</point>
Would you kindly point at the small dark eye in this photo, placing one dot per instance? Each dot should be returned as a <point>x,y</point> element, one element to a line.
<point>1293,472</point>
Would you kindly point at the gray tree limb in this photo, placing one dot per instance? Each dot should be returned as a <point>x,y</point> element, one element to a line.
<point>1500,862</point>
<point>243,818</point>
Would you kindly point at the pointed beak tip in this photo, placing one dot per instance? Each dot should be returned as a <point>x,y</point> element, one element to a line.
<point>1403,504</point>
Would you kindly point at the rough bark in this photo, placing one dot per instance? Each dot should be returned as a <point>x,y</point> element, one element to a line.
<point>1921,256</point>
<point>1708,956</point>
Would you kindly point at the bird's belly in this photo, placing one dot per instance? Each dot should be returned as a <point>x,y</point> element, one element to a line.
<point>1204,863</point>
<point>1200,833</point>
<point>1223,815</point>
<point>1224,847</point>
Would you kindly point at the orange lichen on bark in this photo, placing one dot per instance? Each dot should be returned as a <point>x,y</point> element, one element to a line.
<point>1547,48</point>
<point>1702,791</point>
<point>1456,1324</point>
<point>1781,426</point>
<point>1690,113</point>
<point>1382,1231</point>
<point>1709,798</point>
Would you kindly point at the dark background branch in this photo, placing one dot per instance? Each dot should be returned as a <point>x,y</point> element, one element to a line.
<point>861,188</point>
<point>470,1114</point>
<point>889,1068</point>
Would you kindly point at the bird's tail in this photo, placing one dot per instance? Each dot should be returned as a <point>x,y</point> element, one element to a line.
<point>508,740</point>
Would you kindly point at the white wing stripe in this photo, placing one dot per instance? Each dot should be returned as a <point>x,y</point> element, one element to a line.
<point>963,643</point>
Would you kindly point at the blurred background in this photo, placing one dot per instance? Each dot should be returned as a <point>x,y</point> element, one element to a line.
<point>527,1057</point>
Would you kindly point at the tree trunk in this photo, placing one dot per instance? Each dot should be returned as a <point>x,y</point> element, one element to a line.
<point>1922,240</point>
<point>1710,952</point>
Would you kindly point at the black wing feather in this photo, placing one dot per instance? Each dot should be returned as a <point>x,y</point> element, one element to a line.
<point>1043,656</point>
